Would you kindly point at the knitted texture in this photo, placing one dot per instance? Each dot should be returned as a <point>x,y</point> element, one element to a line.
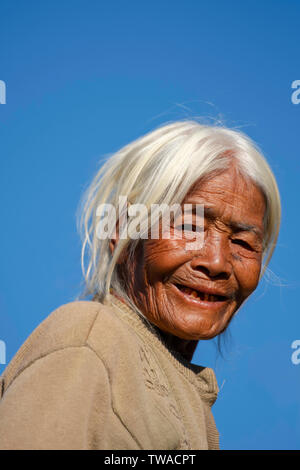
<point>98,376</point>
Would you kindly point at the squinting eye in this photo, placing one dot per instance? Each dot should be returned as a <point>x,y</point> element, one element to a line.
<point>188,228</point>
<point>242,243</point>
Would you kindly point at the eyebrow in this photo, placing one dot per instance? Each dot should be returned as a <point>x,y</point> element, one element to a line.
<point>210,213</point>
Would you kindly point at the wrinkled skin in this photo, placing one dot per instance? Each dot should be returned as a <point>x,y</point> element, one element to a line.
<point>229,262</point>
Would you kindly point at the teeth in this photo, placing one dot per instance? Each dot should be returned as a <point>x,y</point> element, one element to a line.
<point>202,295</point>
<point>187,290</point>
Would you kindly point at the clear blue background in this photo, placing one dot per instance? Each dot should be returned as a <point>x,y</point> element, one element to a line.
<point>86,77</point>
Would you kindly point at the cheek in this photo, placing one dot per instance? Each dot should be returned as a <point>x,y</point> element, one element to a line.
<point>247,274</point>
<point>164,256</point>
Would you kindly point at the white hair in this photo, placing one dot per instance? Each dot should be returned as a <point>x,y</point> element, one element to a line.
<point>161,167</point>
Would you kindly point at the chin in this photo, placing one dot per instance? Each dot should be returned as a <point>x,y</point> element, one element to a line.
<point>193,334</point>
<point>202,329</point>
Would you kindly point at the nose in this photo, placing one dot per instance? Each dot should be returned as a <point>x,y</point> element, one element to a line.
<point>213,259</point>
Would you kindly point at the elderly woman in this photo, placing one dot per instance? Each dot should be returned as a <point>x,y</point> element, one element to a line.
<point>115,372</point>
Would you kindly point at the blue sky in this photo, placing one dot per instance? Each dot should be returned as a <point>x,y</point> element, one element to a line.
<point>83,78</point>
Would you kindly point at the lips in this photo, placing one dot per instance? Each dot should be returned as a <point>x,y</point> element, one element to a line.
<point>201,295</point>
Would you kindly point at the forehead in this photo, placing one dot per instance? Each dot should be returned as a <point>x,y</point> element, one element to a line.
<point>231,196</point>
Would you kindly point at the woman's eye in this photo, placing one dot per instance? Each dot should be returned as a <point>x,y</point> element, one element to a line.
<point>188,228</point>
<point>242,243</point>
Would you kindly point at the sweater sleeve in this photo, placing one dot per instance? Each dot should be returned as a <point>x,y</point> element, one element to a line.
<point>62,401</point>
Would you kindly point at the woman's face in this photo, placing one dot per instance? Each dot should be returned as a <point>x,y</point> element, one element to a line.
<point>193,294</point>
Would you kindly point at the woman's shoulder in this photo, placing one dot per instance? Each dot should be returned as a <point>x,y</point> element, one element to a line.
<point>77,324</point>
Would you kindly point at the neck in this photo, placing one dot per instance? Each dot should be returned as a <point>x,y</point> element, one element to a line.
<point>184,347</point>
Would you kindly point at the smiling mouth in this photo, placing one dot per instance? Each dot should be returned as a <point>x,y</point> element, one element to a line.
<point>204,296</point>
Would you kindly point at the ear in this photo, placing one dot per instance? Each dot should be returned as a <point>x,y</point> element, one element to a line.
<point>113,242</point>
<point>112,245</point>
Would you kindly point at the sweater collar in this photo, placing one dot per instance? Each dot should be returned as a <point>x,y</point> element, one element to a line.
<point>203,378</point>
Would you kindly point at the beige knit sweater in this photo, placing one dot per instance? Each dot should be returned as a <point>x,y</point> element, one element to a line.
<point>94,376</point>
